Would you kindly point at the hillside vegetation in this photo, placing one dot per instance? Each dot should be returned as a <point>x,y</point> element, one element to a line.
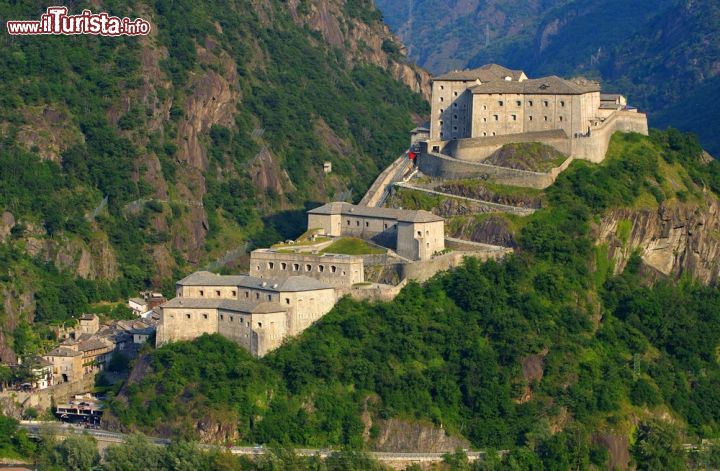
<point>546,353</point>
<point>127,162</point>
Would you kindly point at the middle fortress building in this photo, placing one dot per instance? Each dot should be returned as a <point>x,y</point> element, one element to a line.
<point>287,290</point>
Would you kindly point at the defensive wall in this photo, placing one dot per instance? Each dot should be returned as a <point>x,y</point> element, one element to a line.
<point>464,158</point>
<point>13,403</point>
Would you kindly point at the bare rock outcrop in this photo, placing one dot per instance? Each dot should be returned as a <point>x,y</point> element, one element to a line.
<point>396,435</point>
<point>674,239</point>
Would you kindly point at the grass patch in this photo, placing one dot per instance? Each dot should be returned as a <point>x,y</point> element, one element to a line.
<point>532,156</point>
<point>352,246</point>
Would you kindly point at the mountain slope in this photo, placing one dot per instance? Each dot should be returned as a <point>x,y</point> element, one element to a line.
<point>129,161</point>
<point>552,353</point>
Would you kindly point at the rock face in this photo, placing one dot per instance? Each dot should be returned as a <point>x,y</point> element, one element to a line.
<point>672,240</point>
<point>399,435</point>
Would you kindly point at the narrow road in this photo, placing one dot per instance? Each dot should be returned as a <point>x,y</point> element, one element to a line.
<point>35,428</point>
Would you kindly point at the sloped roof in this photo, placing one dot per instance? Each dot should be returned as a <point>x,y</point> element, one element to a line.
<point>293,283</point>
<point>486,73</point>
<point>552,85</point>
<point>405,215</point>
<point>63,352</point>
<point>249,307</point>
<point>206,278</point>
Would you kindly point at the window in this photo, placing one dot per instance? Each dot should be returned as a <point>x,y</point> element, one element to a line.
<point>283,266</point>
<point>484,107</point>
<point>497,117</point>
<point>234,293</point>
<point>188,315</point>
<point>247,294</point>
<point>441,111</point>
<point>202,293</point>
<point>419,233</point>
<point>484,134</point>
<point>321,268</point>
<point>501,103</point>
<point>442,87</point>
<point>222,317</point>
<point>296,266</point>
<point>493,133</point>
<point>427,232</point>
<point>333,269</point>
<point>257,295</point>
<point>561,118</point>
<point>367,224</point>
<point>546,103</point>
<point>348,221</point>
<point>308,267</point>
<point>442,99</point>
<point>484,120</point>
<point>437,148</point>
<point>545,117</point>
<point>441,123</point>
<point>455,93</point>
<point>385,226</point>
<point>287,300</point>
<point>269,297</point>
<point>259,324</point>
<point>357,223</point>
<point>232,318</point>
<point>530,103</point>
<point>519,103</point>
<point>514,117</point>
<point>454,116</point>
<point>530,118</point>
<point>454,105</point>
<point>271,265</point>
<point>454,128</point>
<point>217,293</point>
<point>562,103</point>
<point>205,316</point>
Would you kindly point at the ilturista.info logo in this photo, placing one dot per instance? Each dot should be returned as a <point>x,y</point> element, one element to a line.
<point>57,21</point>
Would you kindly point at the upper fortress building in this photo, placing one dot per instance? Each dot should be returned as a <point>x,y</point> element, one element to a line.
<point>495,102</point>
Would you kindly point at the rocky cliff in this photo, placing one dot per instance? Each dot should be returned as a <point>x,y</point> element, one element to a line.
<point>186,144</point>
<point>672,240</point>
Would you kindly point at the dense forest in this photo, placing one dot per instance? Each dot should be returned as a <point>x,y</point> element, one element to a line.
<point>127,162</point>
<point>618,355</point>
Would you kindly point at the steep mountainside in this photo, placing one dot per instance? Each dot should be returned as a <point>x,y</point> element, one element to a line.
<point>662,54</point>
<point>128,161</point>
<point>585,349</point>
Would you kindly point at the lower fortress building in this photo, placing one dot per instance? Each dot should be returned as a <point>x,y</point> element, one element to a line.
<point>286,290</point>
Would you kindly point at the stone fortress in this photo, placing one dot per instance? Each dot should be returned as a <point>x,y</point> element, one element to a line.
<point>475,112</point>
<point>289,288</point>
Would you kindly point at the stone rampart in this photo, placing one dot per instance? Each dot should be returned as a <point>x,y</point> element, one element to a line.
<point>442,166</point>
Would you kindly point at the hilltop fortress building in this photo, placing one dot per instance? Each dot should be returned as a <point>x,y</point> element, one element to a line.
<point>475,112</point>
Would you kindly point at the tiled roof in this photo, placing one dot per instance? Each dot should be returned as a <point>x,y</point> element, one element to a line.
<point>551,85</point>
<point>294,283</point>
<point>405,215</point>
<point>63,352</point>
<point>92,344</point>
<point>486,73</point>
<point>250,307</point>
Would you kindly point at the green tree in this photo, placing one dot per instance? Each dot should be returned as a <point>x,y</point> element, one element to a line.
<point>658,446</point>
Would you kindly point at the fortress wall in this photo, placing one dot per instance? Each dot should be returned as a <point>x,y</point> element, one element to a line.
<point>426,269</point>
<point>437,165</point>
<point>595,147</point>
<point>479,149</point>
<point>343,270</point>
<point>375,293</point>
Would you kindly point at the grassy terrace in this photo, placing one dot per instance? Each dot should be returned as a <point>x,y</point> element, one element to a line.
<point>352,246</point>
<point>532,156</point>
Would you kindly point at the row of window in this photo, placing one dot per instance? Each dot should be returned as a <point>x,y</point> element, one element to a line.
<point>296,267</point>
<point>530,103</point>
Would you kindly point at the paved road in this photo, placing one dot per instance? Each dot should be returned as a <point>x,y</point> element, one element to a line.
<point>35,428</point>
